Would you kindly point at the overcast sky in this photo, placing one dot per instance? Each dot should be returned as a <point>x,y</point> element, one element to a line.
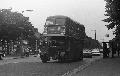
<point>87,12</point>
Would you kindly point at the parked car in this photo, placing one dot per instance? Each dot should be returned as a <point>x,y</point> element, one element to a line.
<point>87,53</point>
<point>96,52</point>
<point>101,50</point>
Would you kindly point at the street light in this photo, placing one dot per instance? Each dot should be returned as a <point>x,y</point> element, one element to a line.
<point>28,11</point>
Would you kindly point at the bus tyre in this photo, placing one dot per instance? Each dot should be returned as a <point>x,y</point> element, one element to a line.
<point>44,60</point>
<point>91,56</point>
<point>1,57</point>
<point>61,59</point>
<point>81,56</point>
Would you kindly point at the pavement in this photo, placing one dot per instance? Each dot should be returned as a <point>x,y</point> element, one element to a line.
<point>18,59</point>
<point>102,67</point>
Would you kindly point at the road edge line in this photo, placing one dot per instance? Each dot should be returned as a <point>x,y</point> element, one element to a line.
<point>80,68</point>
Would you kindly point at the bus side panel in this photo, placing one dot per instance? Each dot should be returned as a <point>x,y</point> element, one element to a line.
<point>76,50</point>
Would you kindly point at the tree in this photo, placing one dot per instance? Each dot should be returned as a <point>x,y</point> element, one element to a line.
<point>90,43</point>
<point>113,16</point>
<point>14,25</point>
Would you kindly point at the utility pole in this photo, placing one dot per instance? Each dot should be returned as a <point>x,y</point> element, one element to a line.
<point>95,33</point>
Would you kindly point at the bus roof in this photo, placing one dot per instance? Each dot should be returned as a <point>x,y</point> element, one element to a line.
<point>57,16</point>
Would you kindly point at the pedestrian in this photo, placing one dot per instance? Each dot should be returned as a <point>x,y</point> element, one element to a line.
<point>114,48</point>
<point>107,52</point>
<point>118,48</point>
<point>118,51</point>
<point>104,50</point>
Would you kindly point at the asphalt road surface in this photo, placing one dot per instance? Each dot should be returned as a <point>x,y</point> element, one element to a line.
<point>32,66</point>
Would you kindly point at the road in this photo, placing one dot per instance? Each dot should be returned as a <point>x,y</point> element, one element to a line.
<point>104,67</point>
<point>32,66</point>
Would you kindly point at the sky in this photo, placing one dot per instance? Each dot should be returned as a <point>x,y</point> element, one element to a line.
<point>90,13</point>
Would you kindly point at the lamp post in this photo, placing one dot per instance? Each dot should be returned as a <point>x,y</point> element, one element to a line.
<point>36,45</point>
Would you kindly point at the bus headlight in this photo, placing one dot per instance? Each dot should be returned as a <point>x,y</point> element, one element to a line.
<point>62,33</point>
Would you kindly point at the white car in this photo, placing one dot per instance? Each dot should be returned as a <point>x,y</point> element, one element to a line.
<point>87,53</point>
<point>101,50</point>
<point>96,52</point>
